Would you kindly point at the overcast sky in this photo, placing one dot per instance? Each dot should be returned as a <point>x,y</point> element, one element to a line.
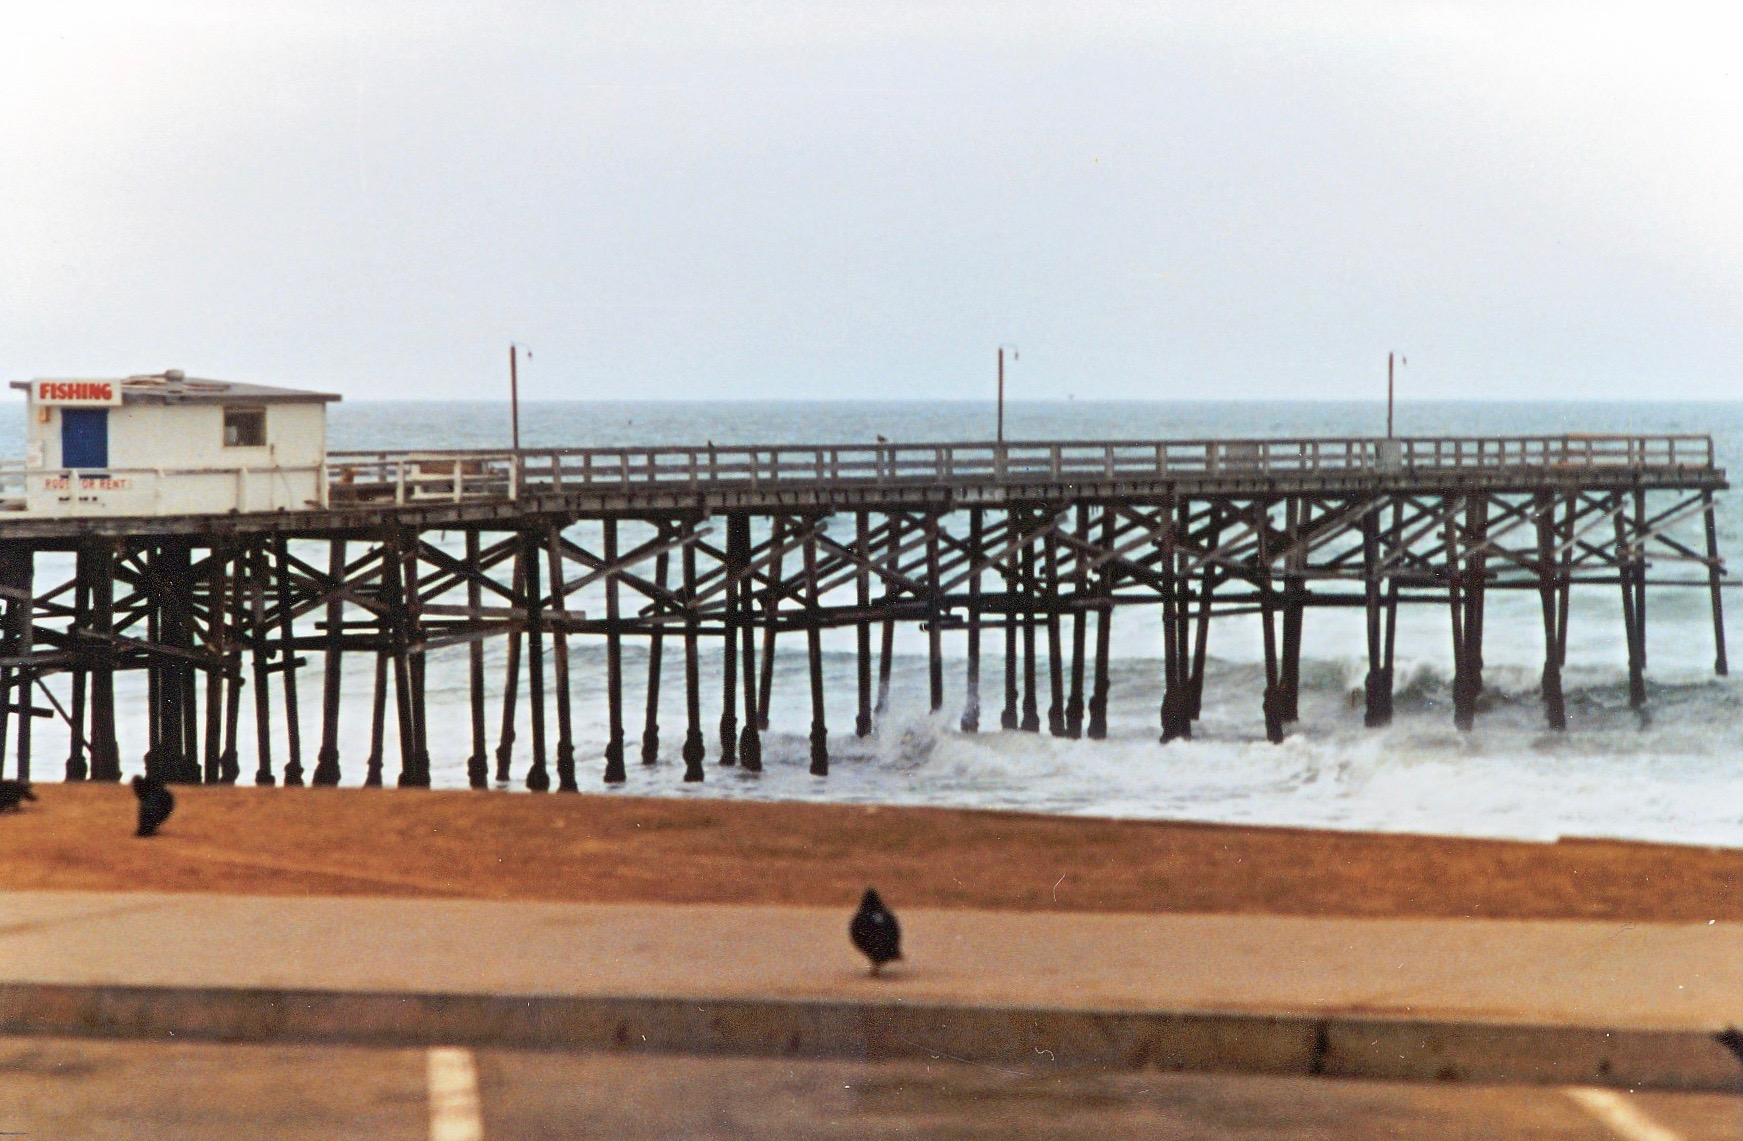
<point>710,199</point>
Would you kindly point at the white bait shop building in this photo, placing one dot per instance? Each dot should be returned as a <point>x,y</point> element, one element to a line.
<point>168,444</point>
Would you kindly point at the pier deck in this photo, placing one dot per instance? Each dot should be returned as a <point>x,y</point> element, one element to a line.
<point>1039,544</point>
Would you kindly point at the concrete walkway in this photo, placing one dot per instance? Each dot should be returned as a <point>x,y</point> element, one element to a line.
<point>1493,1000</point>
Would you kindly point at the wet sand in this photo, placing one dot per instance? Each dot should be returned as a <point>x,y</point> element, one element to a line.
<point>607,848</point>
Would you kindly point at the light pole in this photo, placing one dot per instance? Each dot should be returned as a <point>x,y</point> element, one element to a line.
<point>514,392</point>
<point>1401,360</point>
<point>1013,348</point>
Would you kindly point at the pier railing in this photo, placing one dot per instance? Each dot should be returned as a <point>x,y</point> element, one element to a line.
<point>456,476</point>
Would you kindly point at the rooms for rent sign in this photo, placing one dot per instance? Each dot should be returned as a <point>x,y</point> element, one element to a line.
<point>76,393</point>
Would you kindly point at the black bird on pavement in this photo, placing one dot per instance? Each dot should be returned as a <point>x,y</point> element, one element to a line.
<point>156,802</point>
<point>12,792</point>
<point>1732,1039</point>
<point>875,932</point>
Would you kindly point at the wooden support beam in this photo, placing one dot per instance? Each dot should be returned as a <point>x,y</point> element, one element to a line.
<point>229,762</point>
<point>694,751</point>
<point>1030,588</point>
<point>560,661</point>
<point>327,759</point>
<point>1176,670</point>
<point>656,640</point>
<point>538,775</point>
<point>78,768</point>
<point>1631,617</point>
<point>377,722</point>
<point>511,679</point>
<point>105,755</point>
<point>614,739</point>
<point>862,721</point>
<point>1550,588</point>
<point>1294,593</point>
<point>1055,647</point>
<point>1079,626</point>
<point>1272,703</point>
<point>478,763</point>
<point>394,594</point>
<point>1106,575</point>
<point>1463,701</point>
<point>1010,719</point>
<point>733,617</point>
<point>416,661</point>
<point>971,682</point>
<point>1715,577</point>
<point>887,646</point>
<point>771,613</point>
<point>750,742</point>
<point>1377,686</point>
<point>814,653</point>
<point>261,651</point>
<point>293,769</point>
<point>934,615</point>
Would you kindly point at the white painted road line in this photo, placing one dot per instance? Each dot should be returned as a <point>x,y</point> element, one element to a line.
<point>1616,1111</point>
<point>454,1112</point>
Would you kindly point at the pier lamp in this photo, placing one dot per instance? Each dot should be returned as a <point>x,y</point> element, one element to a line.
<point>514,391</point>
<point>1401,361</point>
<point>1002,348</point>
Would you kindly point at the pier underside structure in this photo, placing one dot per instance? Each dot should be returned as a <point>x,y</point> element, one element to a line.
<point>1025,551</point>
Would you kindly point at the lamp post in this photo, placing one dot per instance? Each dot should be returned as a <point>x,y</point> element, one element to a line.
<point>1401,360</point>
<point>514,393</point>
<point>1013,348</point>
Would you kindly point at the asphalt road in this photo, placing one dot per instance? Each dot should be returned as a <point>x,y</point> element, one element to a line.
<point>77,1088</point>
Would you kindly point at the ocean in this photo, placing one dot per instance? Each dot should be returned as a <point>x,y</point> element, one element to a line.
<point>1673,772</point>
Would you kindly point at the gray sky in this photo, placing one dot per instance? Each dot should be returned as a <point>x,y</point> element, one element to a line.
<point>837,199</point>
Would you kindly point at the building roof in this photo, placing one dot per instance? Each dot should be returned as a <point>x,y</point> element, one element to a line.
<point>172,387</point>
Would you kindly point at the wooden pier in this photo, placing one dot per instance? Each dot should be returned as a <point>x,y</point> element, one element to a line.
<point>1026,551</point>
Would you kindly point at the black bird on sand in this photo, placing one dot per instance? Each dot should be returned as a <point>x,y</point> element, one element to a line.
<point>12,792</point>
<point>875,932</point>
<point>1732,1039</point>
<point>156,802</point>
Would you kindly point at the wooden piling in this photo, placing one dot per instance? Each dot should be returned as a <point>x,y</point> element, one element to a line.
<point>887,646</point>
<point>731,620</point>
<point>538,776</point>
<point>293,769</point>
<point>771,616</point>
<point>327,760</point>
<point>105,755</point>
<point>478,763</point>
<point>511,676</point>
<point>1098,696</point>
<point>614,766</point>
<point>971,680</point>
<point>1715,579</point>
<point>1031,708</point>
<point>1550,585</point>
<point>656,644</point>
<point>814,653</point>
<point>934,618</point>
<point>1055,645</point>
<point>693,750</point>
<point>862,720</point>
<point>560,664</point>
<point>750,741</point>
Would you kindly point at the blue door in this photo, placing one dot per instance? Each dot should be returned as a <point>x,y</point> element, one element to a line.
<point>85,437</point>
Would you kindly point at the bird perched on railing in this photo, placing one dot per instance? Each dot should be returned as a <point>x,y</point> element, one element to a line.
<point>875,932</point>
<point>12,792</point>
<point>156,802</point>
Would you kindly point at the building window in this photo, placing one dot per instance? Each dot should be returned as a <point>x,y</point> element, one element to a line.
<point>245,427</point>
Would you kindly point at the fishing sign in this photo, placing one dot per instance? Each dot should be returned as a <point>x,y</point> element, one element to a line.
<point>76,393</point>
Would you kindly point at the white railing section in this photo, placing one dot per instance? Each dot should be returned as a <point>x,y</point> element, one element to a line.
<point>404,478</point>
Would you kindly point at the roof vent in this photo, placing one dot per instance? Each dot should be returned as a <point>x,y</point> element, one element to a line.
<point>174,374</point>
